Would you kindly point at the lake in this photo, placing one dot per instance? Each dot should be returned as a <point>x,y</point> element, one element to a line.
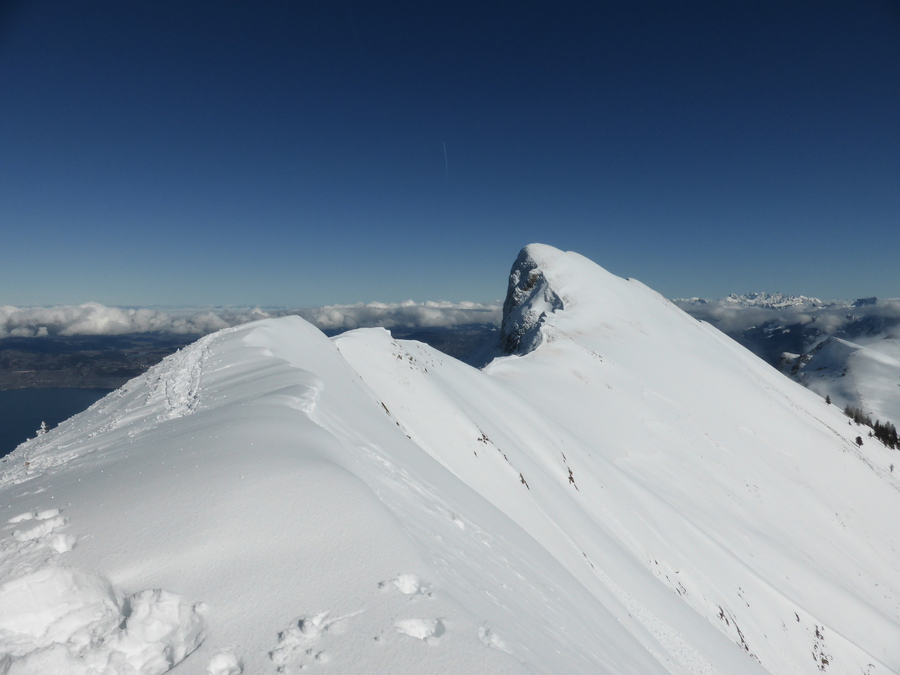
<point>23,410</point>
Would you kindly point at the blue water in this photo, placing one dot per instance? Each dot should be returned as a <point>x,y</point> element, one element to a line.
<point>23,410</point>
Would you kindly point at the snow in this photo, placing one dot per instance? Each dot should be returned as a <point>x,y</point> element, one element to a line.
<point>59,619</point>
<point>863,374</point>
<point>626,491</point>
<point>775,300</point>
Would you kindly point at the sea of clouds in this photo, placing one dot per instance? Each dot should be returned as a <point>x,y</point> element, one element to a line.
<point>95,319</point>
<point>830,318</point>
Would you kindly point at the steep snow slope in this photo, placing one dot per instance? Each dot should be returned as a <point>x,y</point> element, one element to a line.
<point>835,348</point>
<point>773,520</point>
<point>685,457</point>
<point>865,376</point>
<point>627,492</point>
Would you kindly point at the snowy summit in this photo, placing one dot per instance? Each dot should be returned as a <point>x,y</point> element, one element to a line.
<point>624,490</point>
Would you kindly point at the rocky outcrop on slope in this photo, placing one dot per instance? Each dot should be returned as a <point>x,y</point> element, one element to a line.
<point>529,298</point>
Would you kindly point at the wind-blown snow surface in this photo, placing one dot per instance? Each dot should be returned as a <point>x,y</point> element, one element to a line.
<point>635,494</point>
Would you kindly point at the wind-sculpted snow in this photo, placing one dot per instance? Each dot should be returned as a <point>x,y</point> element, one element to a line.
<point>60,619</point>
<point>627,492</point>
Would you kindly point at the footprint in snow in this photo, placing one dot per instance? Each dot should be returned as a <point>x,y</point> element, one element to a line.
<point>408,584</point>
<point>490,639</point>
<point>302,644</point>
<point>34,515</point>
<point>427,630</point>
<point>225,663</point>
<point>39,530</point>
<point>35,537</point>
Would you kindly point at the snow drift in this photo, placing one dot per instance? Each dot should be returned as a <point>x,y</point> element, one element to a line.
<point>625,491</point>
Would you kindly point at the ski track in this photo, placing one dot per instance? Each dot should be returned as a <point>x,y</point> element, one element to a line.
<point>168,391</point>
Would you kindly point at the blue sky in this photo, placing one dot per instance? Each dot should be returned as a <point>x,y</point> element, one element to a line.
<point>292,153</point>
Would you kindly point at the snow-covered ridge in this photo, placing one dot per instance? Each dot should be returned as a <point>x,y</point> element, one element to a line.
<point>628,492</point>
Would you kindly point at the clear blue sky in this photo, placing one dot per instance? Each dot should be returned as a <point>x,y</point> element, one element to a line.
<point>293,153</point>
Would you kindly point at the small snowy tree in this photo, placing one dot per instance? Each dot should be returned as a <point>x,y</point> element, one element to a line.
<point>43,430</point>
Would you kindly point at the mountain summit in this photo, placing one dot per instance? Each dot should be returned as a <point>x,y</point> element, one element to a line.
<point>627,490</point>
<point>528,300</point>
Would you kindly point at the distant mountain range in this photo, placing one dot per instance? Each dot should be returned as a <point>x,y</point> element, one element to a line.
<point>777,301</point>
<point>764,300</point>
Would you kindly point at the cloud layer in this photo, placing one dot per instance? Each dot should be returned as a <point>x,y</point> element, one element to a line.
<point>830,318</point>
<point>407,314</point>
<point>94,319</point>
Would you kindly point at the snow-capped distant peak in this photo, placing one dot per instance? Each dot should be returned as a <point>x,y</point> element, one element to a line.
<point>764,300</point>
<point>773,300</point>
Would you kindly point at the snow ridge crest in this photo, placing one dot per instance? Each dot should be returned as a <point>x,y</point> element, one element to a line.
<point>529,299</point>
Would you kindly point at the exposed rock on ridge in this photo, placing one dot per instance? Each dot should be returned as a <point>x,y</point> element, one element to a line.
<point>529,298</point>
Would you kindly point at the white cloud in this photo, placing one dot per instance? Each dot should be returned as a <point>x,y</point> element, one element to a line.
<point>95,319</point>
<point>830,319</point>
<point>407,314</point>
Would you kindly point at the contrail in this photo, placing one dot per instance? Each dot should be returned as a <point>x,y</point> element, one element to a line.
<point>446,166</point>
